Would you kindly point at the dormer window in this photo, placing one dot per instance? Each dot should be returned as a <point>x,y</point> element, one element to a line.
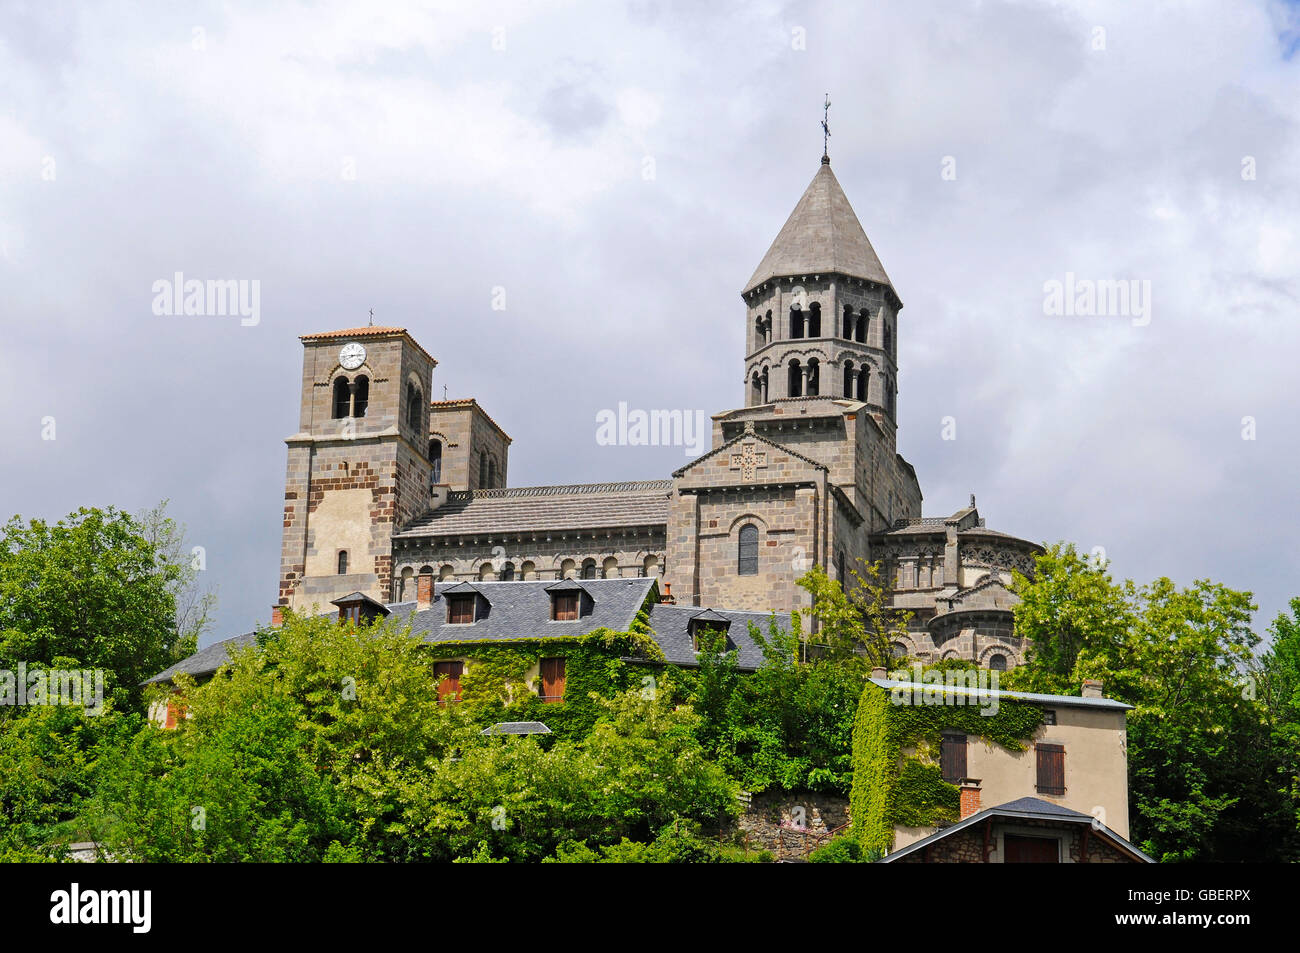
<point>564,606</point>
<point>707,627</point>
<point>460,608</point>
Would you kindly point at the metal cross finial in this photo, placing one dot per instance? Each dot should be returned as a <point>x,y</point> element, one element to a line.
<point>372,317</point>
<point>826,129</point>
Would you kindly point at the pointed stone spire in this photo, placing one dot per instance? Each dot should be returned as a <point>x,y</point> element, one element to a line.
<point>821,236</point>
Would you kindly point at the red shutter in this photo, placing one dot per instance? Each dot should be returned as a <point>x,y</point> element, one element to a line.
<point>449,687</point>
<point>1051,769</point>
<point>1031,850</point>
<point>552,679</point>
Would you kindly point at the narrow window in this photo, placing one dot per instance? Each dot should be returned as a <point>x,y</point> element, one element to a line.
<point>747,556</point>
<point>360,396</point>
<point>796,323</point>
<point>482,471</point>
<point>492,472</point>
<point>552,680</point>
<point>889,339</point>
<point>814,377</point>
<point>952,756</point>
<point>860,327</point>
<point>862,384</point>
<point>413,411</point>
<point>435,461</point>
<point>848,322</point>
<point>449,686</point>
<point>815,320</point>
<point>850,378</point>
<point>460,609</point>
<point>1051,769</point>
<point>342,397</point>
<point>508,572</point>
<point>795,388</point>
<point>589,569</point>
<point>343,562</point>
<point>564,607</point>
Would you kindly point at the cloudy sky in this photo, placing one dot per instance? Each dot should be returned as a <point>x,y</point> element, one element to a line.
<point>412,159</point>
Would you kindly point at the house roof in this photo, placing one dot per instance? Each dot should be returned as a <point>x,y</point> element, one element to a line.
<point>545,508</point>
<point>1056,701</point>
<point>522,610</point>
<point>822,235</point>
<point>1025,808</point>
<point>362,598</point>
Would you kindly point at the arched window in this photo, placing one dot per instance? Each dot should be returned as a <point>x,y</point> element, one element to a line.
<point>610,569</point>
<point>492,472</point>
<point>850,379</point>
<point>767,328</point>
<point>650,566</point>
<point>891,393</point>
<point>342,397</point>
<point>747,551</point>
<point>814,377</point>
<point>406,589</point>
<point>889,339</point>
<point>435,461</point>
<point>796,322</point>
<point>414,412</point>
<point>482,470</point>
<point>528,570</point>
<point>860,326</point>
<point>445,572</point>
<point>863,380</point>
<point>589,569</point>
<point>815,320</point>
<point>759,336</point>
<point>848,322</point>
<point>508,572</point>
<point>567,569</point>
<point>343,562</point>
<point>898,650</point>
<point>765,391</point>
<point>485,572</point>
<point>360,396</point>
<point>998,663</point>
<point>756,388</point>
<point>795,380</point>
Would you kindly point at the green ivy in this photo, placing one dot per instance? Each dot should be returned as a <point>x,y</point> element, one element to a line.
<point>892,789</point>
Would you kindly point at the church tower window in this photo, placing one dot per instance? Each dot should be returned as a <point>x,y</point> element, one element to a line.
<point>343,562</point>
<point>815,320</point>
<point>482,471</point>
<point>360,396</point>
<point>848,323</point>
<point>814,378</point>
<point>860,327</point>
<point>747,554</point>
<point>863,381</point>
<point>850,379</point>
<point>491,472</point>
<point>413,410</point>
<point>342,397</point>
<point>796,322</point>
<point>795,388</point>
<point>435,461</point>
<point>589,569</point>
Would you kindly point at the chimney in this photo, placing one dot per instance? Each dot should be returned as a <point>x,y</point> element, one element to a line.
<point>277,615</point>
<point>879,672</point>
<point>1092,688</point>
<point>970,797</point>
<point>423,591</point>
<point>667,596</point>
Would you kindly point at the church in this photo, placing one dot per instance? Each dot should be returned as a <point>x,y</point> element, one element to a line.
<point>388,493</point>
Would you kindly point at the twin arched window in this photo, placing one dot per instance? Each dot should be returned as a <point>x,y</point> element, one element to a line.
<point>351,398</point>
<point>747,551</point>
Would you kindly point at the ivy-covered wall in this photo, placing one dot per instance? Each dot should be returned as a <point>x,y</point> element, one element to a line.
<point>499,680</point>
<point>896,775</point>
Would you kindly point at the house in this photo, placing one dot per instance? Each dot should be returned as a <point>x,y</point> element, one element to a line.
<point>1026,830</point>
<point>546,618</point>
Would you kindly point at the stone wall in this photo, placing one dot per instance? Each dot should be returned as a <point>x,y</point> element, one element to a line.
<point>791,824</point>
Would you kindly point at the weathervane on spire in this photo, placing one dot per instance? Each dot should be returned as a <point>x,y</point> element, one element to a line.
<point>826,129</point>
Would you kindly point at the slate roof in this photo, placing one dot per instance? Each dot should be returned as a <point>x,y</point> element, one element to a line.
<point>671,624</point>
<point>1056,701</point>
<point>206,660</point>
<point>1025,808</point>
<point>522,610</point>
<point>821,235</point>
<point>545,508</point>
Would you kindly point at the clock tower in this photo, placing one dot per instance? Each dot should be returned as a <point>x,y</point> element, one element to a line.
<point>359,464</point>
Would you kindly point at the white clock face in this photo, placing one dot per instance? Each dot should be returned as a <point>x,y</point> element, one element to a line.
<point>352,356</point>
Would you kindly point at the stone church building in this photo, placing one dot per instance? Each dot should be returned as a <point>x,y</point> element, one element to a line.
<point>384,486</point>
